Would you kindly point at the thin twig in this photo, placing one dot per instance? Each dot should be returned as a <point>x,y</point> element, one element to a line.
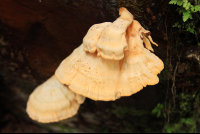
<point>173,85</point>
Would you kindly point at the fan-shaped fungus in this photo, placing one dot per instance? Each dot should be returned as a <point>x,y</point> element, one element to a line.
<point>120,70</point>
<point>52,102</point>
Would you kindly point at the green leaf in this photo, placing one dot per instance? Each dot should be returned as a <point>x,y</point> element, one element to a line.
<point>173,2</point>
<point>192,8</point>
<point>188,6</point>
<point>190,30</point>
<point>159,113</point>
<point>168,129</point>
<point>175,25</point>
<point>183,120</point>
<point>180,3</point>
<point>158,109</point>
<point>187,121</point>
<point>154,111</point>
<point>190,16</point>
<point>187,15</point>
<point>193,95</point>
<point>196,8</point>
<point>185,4</point>
<point>181,10</point>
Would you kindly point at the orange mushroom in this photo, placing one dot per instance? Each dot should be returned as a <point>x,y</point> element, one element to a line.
<point>120,70</point>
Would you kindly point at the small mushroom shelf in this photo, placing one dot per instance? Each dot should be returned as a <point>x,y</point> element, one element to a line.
<point>114,60</point>
<point>52,102</point>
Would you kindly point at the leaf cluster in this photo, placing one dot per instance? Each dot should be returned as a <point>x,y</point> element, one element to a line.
<point>189,10</point>
<point>185,125</point>
<point>184,117</point>
<point>158,109</point>
<point>186,8</point>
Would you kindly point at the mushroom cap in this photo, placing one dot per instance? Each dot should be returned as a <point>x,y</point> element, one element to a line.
<point>52,102</point>
<point>92,36</point>
<point>89,75</point>
<point>112,43</point>
<point>103,79</point>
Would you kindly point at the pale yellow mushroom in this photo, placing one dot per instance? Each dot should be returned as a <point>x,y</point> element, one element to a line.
<point>92,36</point>
<point>112,42</point>
<point>104,79</point>
<point>52,102</point>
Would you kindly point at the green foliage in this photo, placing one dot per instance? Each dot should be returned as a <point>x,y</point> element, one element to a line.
<point>189,10</point>
<point>158,109</point>
<point>185,125</point>
<point>186,15</point>
<point>184,117</point>
<point>186,8</point>
<point>186,102</point>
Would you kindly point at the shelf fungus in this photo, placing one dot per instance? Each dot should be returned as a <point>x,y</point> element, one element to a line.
<point>116,61</point>
<point>52,102</point>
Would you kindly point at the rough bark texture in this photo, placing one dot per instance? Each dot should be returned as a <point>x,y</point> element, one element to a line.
<point>36,36</point>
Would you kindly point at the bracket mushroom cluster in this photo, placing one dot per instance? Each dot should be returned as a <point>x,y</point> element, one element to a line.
<point>113,61</point>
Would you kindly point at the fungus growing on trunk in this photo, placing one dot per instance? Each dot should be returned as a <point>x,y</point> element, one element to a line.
<point>114,70</point>
<point>52,102</point>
